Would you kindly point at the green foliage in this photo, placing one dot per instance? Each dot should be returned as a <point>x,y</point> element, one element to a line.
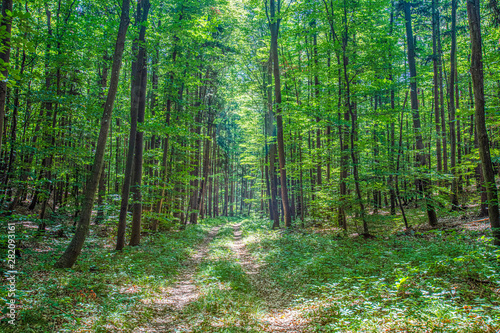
<point>434,280</point>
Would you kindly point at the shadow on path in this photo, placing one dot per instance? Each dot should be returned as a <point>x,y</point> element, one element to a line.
<point>167,307</point>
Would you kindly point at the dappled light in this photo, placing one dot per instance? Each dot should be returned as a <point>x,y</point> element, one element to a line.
<point>249,166</point>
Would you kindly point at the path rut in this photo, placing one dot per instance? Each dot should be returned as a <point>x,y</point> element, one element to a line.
<point>279,318</point>
<point>167,307</point>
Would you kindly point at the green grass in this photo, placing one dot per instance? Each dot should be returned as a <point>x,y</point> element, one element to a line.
<point>105,287</point>
<point>227,302</point>
<point>434,281</point>
<point>438,281</point>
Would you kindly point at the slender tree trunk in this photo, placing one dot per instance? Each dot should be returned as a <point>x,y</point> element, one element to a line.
<point>13,136</point>
<point>353,117</point>
<point>102,185</point>
<point>271,131</point>
<point>274,27</point>
<point>232,197</point>
<point>217,169</point>
<point>74,248</point>
<point>118,156</point>
<point>135,237</point>
<point>138,50</point>
<point>453,138</point>
<point>400,146</point>
<point>226,189</point>
<point>6,27</point>
<point>316,95</point>
<point>476,70</point>
<point>206,168</point>
<point>435,63</point>
<point>48,134</point>
<point>444,140</point>
<point>422,182</point>
<point>344,154</point>
<point>212,173</point>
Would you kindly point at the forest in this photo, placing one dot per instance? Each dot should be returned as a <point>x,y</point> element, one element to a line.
<point>250,166</point>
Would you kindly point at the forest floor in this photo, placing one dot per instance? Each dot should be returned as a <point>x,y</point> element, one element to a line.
<point>238,275</point>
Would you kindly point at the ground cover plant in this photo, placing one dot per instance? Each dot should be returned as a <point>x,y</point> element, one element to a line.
<point>252,278</point>
<point>108,290</point>
<point>446,281</point>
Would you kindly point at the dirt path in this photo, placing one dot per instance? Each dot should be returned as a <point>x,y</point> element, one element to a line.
<point>168,306</point>
<point>279,318</point>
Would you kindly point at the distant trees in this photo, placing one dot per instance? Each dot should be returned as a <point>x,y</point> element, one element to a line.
<point>328,69</point>
<point>73,137</point>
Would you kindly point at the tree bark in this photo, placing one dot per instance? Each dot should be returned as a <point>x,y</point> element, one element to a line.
<point>74,248</point>
<point>271,154</point>
<point>137,63</point>
<point>5,27</point>
<point>453,137</point>
<point>422,182</point>
<point>435,64</point>
<point>135,237</point>
<point>476,70</point>
<point>274,27</point>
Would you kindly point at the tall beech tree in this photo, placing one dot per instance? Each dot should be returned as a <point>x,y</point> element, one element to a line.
<point>139,85</point>
<point>75,246</point>
<point>274,25</point>
<point>137,105</point>
<point>476,70</point>
<point>5,40</point>
<point>422,182</point>
<point>452,106</point>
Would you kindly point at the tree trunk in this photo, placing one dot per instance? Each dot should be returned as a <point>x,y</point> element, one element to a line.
<point>453,138</point>
<point>138,51</point>
<point>74,248</point>
<point>422,182</point>
<point>316,94</point>
<point>271,155</point>
<point>435,64</point>
<point>353,116</point>
<point>206,168</point>
<point>476,70</point>
<point>274,27</point>
<point>102,185</point>
<point>135,237</point>
<point>6,27</point>
<point>444,140</point>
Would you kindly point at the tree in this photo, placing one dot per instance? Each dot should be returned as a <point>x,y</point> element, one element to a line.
<point>75,246</point>
<point>274,25</point>
<point>140,85</point>
<point>452,106</point>
<point>476,70</point>
<point>5,28</point>
<point>422,182</point>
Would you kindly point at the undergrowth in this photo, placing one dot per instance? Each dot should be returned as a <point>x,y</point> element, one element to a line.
<point>432,281</point>
<point>436,281</point>
<point>106,291</point>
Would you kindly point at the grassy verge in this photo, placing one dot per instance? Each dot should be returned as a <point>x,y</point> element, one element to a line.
<point>436,281</point>
<point>106,291</point>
